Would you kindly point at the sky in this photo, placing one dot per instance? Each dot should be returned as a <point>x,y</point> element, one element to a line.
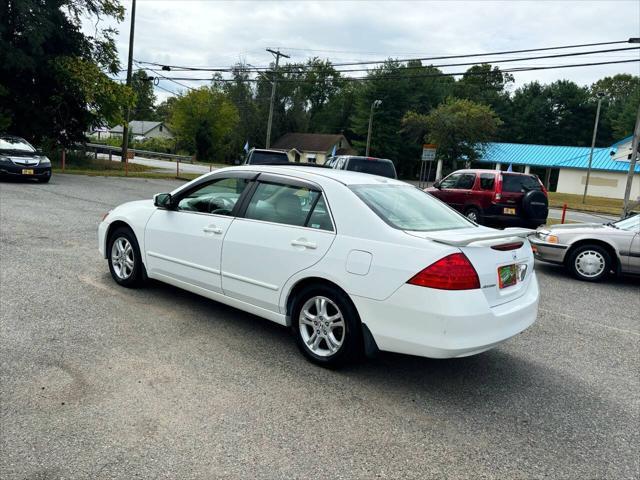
<point>221,33</point>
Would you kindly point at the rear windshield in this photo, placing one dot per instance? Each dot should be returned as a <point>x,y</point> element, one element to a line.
<point>519,183</point>
<point>384,168</point>
<point>258,158</point>
<point>408,208</point>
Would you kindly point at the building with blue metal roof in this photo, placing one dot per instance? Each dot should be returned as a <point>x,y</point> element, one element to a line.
<point>609,165</point>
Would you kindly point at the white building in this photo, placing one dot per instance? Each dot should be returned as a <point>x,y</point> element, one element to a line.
<point>566,167</point>
<point>144,128</point>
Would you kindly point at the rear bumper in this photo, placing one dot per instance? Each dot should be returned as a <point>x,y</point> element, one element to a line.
<point>445,324</point>
<point>548,252</point>
<point>12,170</point>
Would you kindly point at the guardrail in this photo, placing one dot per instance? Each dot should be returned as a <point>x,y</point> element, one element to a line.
<point>101,148</point>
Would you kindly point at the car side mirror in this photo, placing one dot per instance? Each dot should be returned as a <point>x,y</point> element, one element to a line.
<point>436,184</point>
<point>162,200</point>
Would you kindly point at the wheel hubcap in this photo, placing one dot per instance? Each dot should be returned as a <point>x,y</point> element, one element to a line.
<point>472,216</point>
<point>590,263</point>
<point>122,258</point>
<point>322,326</point>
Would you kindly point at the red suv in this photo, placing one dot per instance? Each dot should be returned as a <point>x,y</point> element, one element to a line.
<point>491,197</point>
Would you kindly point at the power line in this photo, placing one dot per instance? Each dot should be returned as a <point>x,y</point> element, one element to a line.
<point>429,75</point>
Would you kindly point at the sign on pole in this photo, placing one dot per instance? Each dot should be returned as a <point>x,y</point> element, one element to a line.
<point>428,152</point>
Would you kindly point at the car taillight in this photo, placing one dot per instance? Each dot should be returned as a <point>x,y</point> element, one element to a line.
<point>498,194</point>
<point>453,272</point>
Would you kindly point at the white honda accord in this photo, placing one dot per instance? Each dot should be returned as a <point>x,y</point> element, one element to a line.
<point>351,262</point>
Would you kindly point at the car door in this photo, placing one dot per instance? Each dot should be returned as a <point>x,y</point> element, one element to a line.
<point>634,255</point>
<point>285,227</point>
<point>184,243</point>
<point>445,191</point>
<point>461,194</point>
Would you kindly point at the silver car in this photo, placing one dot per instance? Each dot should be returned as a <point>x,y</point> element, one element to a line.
<point>591,250</point>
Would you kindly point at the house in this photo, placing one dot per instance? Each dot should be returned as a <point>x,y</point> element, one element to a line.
<point>565,167</point>
<point>144,128</point>
<point>312,147</point>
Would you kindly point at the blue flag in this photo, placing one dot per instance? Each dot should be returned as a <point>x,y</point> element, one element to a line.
<point>246,146</point>
<point>510,169</point>
<point>333,152</point>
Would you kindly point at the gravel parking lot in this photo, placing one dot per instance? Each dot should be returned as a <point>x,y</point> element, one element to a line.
<point>97,381</point>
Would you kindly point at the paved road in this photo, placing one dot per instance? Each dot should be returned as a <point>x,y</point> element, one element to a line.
<point>163,165</point>
<point>101,382</point>
<point>582,217</point>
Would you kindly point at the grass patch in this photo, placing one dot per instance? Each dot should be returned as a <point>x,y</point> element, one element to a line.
<point>121,173</point>
<point>556,221</point>
<point>612,206</point>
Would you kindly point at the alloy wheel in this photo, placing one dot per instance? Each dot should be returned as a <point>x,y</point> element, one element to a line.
<point>122,258</point>
<point>322,326</point>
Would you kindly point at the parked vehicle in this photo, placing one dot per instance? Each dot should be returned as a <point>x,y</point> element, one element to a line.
<point>20,159</point>
<point>350,263</point>
<point>375,166</point>
<point>591,250</point>
<point>495,198</point>
<point>262,156</point>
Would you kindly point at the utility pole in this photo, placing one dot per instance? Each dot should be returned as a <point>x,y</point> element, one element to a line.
<point>125,127</point>
<point>374,104</point>
<point>632,165</point>
<point>593,144</point>
<point>277,54</point>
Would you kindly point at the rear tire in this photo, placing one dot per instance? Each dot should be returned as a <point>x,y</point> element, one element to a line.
<point>473,214</point>
<point>125,261</point>
<point>327,326</point>
<point>589,263</point>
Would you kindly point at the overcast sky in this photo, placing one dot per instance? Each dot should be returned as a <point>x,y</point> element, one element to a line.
<point>220,33</point>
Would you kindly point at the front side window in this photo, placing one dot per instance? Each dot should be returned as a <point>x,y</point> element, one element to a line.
<point>409,208</point>
<point>289,205</point>
<point>218,197</point>
<point>450,181</point>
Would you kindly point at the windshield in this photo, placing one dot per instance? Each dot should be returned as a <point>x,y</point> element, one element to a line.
<point>632,224</point>
<point>258,158</point>
<point>384,168</point>
<point>15,145</point>
<point>408,208</point>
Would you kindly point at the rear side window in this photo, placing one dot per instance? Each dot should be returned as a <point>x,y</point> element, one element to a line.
<point>519,183</point>
<point>384,168</point>
<point>466,181</point>
<point>487,181</point>
<point>258,158</point>
<point>289,205</point>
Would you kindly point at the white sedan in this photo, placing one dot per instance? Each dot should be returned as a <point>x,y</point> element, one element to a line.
<point>351,262</point>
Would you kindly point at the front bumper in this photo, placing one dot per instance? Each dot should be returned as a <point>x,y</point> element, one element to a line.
<point>13,170</point>
<point>548,252</point>
<point>445,324</point>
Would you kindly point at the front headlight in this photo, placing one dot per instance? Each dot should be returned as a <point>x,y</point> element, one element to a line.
<point>550,238</point>
<point>4,160</point>
<point>45,161</point>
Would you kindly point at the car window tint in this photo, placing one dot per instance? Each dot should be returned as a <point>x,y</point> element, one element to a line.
<point>259,158</point>
<point>409,208</point>
<point>285,204</point>
<point>519,183</point>
<point>384,168</point>
<point>218,197</point>
<point>450,181</point>
<point>320,217</point>
<point>487,181</point>
<point>466,181</point>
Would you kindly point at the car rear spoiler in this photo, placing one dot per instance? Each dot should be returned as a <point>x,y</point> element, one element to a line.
<point>506,235</point>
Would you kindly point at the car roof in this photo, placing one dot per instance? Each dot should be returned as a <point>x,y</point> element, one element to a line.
<point>319,175</point>
<point>267,150</point>
<point>488,170</point>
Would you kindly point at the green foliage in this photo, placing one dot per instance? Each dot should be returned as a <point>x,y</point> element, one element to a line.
<point>203,121</point>
<point>53,77</point>
<point>459,127</point>
<point>143,108</point>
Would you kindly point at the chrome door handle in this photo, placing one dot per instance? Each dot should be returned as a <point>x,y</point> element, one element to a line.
<point>212,229</point>
<point>304,243</point>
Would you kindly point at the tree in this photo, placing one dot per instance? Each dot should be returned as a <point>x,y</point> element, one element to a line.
<point>458,127</point>
<point>54,81</point>
<point>143,109</point>
<point>619,106</point>
<point>203,121</point>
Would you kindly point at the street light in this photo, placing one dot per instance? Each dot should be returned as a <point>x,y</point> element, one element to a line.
<point>600,96</point>
<point>375,104</point>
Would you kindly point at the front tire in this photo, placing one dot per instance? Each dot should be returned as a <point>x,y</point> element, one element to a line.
<point>327,326</point>
<point>125,261</point>
<point>590,263</point>
<point>473,214</point>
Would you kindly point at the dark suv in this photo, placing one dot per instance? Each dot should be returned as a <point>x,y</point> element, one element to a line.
<point>261,156</point>
<point>372,165</point>
<point>495,198</point>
